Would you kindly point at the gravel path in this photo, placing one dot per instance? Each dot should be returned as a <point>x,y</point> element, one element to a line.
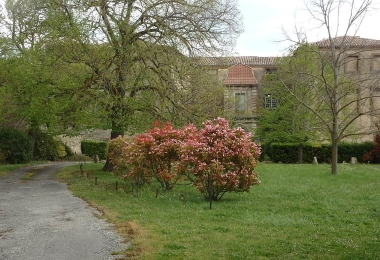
<point>41,219</point>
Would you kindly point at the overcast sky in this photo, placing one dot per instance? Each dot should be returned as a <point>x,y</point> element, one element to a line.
<point>264,20</point>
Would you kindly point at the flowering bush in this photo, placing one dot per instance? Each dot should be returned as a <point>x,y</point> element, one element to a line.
<point>154,154</point>
<point>221,159</point>
<point>216,159</point>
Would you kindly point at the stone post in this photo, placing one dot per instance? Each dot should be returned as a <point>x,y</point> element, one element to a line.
<point>315,161</point>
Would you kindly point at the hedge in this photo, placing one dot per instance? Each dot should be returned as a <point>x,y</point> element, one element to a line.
<point>92,148</point>
<point>15,146</point>
<point>358,150</point>
<point>288,152</point>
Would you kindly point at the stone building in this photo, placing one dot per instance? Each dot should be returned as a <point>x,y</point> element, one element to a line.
<point>360,61</point>
<point>243,79</point>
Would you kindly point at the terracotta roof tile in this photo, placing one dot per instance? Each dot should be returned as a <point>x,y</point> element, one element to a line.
<point>240,75</point>
<point>231,61</point>
<point>349,42</point>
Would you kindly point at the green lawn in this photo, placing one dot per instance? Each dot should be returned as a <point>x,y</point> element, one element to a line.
<point>297,212</point>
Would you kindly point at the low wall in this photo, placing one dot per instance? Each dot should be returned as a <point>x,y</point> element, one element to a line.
<point>74,142</point>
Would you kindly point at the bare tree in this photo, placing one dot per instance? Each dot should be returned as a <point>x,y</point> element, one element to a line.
<point>343,92</point>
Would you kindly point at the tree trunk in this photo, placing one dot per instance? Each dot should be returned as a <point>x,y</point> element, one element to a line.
<point>334,156</point>
<point>108,167</point>
<point>33,136</point>
<point>335,126</point>
<point>300,153</point>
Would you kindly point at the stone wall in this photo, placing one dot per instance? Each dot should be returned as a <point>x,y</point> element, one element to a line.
<point>74,142</point>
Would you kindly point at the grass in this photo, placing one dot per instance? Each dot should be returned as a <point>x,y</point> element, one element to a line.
<point>297,212</point>
<point>4,169</point>
<point>28,176</point>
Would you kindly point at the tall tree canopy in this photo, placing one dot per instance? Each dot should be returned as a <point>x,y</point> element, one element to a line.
<point>110,63</point>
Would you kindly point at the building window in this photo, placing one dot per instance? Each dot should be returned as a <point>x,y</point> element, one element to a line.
<point>240,102</point>
<point>376,62</point>
<point>352,64</point>
<point>269,101</point>
<point>270,71</point>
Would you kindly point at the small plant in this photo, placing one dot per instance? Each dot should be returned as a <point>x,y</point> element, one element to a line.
<point>61,151</point>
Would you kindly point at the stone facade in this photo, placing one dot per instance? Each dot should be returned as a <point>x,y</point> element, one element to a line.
<point>362,58</point>
<point>74,142</point>
<point>243,79</point>
<point>361,62</point>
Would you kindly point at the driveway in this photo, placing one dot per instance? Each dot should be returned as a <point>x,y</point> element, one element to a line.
<point>41,219</point>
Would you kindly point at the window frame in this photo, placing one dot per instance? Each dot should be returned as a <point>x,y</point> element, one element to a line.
<point>349,59</point>
<point>375,62</point>
<point>270,102</point>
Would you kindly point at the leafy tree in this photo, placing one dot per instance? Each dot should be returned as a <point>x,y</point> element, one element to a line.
<point>197,99</point>
<point>340,101</point>
<point>119,64</point>
<point>128,51</point>
<point>290,121</point>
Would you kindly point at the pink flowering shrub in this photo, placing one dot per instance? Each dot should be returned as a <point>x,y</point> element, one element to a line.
<point>221,159</point>
<point>154,154</point>
<point>216,158</point>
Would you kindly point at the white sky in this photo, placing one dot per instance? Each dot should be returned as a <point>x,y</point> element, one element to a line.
<point>264,20</point>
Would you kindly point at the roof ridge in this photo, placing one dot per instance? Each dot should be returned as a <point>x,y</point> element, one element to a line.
<point>234,60</point>
<point>348,41</point>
